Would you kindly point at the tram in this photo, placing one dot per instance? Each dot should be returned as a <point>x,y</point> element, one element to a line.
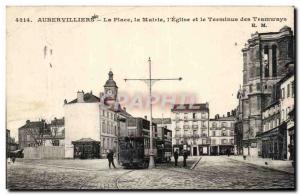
<point>134,145</point>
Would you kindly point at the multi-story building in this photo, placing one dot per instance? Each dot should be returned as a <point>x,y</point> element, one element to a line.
<point>221,134</point>
<point>287,109</point>
<point>190,125</point>
<point>32,133</point>
<point>99,118</point>
<point>265,57</point>
<point>275,138</point>
<point>271,138</point>
<point>41,133</point>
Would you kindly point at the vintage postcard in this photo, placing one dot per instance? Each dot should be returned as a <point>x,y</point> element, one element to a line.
<point>150,98</point>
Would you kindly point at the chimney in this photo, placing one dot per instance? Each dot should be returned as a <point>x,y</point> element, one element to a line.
<point>80,95</point>
<point>216,116</point>
<point>228,114</point>
<point>101,95</point>
<point>65,101</point>
<point>28,121</point>
<point>124,108</point>
<point>145,117</point>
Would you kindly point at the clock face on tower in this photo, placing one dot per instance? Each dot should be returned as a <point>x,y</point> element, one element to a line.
<point>109,92</point>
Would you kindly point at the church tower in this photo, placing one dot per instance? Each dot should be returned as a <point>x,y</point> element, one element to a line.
<point>110,87</point>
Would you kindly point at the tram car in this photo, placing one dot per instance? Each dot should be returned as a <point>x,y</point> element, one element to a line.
<point>163,143</point>
<point>134,144</point>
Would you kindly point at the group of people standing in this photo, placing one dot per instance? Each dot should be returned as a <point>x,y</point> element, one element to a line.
<point>184,154</point>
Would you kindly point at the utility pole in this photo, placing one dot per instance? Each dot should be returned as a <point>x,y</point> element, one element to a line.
<point>150,81</point>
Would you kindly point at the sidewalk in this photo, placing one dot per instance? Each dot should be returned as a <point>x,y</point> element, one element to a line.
<point>280,165</point>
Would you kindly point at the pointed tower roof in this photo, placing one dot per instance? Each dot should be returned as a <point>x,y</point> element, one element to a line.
<point>110,82</point>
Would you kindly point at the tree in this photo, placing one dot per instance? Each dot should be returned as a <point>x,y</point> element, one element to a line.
<point>37,132</point>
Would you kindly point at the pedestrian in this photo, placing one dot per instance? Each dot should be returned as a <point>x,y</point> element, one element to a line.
<point>13,159</point>
<point>110,157</point>
<point>228,152</point>
<point>185,155</point>
<point>176,156</point>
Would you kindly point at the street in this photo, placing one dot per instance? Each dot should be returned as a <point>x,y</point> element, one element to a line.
<point>211,172</point>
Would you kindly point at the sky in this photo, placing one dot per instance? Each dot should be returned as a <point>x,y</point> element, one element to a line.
<point>207,55</point>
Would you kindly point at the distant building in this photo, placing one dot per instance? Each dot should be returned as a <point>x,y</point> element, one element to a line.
<point>41,133</point>
<point>265,57</point>
<point>221,134</point>
<point>190,125</point>
<point>32,133</point>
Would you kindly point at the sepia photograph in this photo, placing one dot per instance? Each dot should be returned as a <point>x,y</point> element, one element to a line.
<point>140,98</point>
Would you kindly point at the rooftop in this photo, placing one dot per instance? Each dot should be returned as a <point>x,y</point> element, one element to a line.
<point>86,140</point>
<point>87,98</point>
<point>223,118</point>
<point>162,120</point>
<point>190,107</point>
<point>34,124</point>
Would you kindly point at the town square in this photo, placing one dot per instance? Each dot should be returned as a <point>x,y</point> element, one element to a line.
<point>115,104</point>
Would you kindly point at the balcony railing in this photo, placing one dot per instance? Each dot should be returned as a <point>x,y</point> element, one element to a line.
<point>195,126</point>
<point>186,126</point>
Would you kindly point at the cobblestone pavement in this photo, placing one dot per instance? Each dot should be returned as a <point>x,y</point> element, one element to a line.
<point>212,172</point>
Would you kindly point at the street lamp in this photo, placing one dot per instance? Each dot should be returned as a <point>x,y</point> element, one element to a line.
<point>150,81</point>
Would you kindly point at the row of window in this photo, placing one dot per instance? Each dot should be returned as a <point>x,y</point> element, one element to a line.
<point>189,134</point>
<point>222,133</point>
<point>203,141</point>
<point>223,141</point>
<point>268,125</point>
<point>109,115</point>
<point>109,128</point>
<point>223,124</point>
<point>192,116</point>
<point>288,91</point>
<point>108,143</point>
<point>271,124</point>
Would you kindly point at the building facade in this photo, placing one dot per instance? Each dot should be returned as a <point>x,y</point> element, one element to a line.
<point>41,133</point>
<point>264,63</point>
<point>190,124</point>
<point>272,138</point>
<point>221,134</point>
<point>98,118</point>
<point>287,108</point>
